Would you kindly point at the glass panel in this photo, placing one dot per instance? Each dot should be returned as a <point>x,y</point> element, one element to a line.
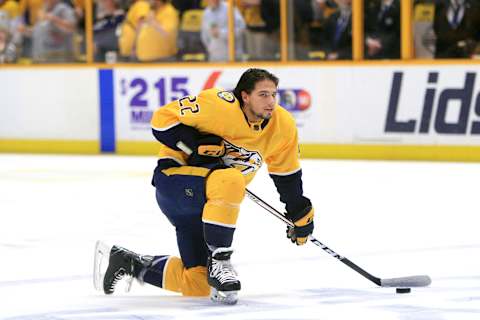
<point>447,29</point>
<point>215,31</point>
<point>47,31</point>
<point>320,30</point>
<point>10,37</point>
<point>312,29</point>
<point>108,17</point>
<point>149,32</point>
<point>189,40</point>
<point>382,29</point>
<point>262,32</point>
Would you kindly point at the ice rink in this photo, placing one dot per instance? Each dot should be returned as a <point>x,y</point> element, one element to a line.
<point>391,218</point>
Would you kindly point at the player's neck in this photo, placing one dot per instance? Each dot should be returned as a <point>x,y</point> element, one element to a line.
<point>250,116</point>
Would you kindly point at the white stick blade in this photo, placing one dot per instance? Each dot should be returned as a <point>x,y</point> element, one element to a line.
<point>407,282</point>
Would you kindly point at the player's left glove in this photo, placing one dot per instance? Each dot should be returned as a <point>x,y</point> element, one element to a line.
<point>208,150</point>
<point>303,222</point>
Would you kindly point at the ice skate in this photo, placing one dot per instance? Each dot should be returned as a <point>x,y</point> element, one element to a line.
<point>122,264</point>
<point>222,278</point>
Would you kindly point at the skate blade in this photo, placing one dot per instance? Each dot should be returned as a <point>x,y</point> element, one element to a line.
<point>100,263</point>
<point>224,297</point>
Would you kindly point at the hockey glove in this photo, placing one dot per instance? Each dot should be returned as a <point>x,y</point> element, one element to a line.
<point>208,150</point>
<point>303,222</point>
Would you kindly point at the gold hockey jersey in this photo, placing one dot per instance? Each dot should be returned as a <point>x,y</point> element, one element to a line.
<point>248,145</point>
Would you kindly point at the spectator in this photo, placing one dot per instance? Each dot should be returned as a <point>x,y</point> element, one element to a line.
<point>10,18</point>
<point>189,41</point>
<point>382,29</point>
<point>29,10</point>
<point>53,33</point>
<point>184,5</point>
<point>128,32</point>
<point>262,35</point>
<point>105,29</point>
<point>157,34</point>
<point>8,50</point>
<point>455,25</point>
<point>10,8</point>
<point>309,20</point>
<point>338,32</point>
<point>215,31</point>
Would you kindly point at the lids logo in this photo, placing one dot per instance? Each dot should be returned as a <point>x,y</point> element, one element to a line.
<point>435,115</point>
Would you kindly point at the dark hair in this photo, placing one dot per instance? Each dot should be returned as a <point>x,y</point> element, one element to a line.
<point>248,80</point>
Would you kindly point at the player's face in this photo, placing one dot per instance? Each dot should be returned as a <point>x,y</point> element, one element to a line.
<point>260,103</point>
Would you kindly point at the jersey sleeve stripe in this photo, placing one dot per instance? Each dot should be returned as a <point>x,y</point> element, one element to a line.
<point>285,173</point>
<point>182,163</point>
<point>166,128</point>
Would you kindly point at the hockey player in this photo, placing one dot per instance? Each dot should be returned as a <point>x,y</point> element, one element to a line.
<point>211,146</point>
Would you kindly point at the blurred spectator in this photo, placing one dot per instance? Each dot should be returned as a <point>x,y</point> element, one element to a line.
<point>310,17</point>
<point>382,29</point>
<point>10,18</point>
<point>338,32</point>
<point>105,30</point>
<point>262,36</point>
<point>184,5</point>
<point>423,34</point>
<point>302,18</point>
<point>128,32</point>
<point>79,8</point>
<point>52,35</point>
<point>456,25</point>
<point>79,37</point>
<point>215,31</point>
<point>189,40</point>
<point>8,50</point>
<point>29,10</point>
<point>157,34</point>
<point>11,8</point>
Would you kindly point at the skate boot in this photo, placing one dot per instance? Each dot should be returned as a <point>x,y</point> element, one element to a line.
<point>122,263</point>
<point>222,278</point>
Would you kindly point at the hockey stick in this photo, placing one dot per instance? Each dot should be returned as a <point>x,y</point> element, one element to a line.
<point>401,282</point>
<point>411,281</point>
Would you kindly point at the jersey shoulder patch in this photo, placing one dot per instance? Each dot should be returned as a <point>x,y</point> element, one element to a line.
<point>227,96</point>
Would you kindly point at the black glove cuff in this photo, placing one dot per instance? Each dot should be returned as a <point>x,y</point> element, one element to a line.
<point>297,215</point>
<point>304,231</point>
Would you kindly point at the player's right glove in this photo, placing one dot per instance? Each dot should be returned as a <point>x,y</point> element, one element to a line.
<point>208,149</point>
<point>303,222</point>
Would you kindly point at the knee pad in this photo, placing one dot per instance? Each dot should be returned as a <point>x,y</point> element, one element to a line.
<point>225,190</point>
<point>188,282</point>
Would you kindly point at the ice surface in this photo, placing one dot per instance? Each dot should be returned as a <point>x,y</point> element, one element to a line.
<point>393,219</point>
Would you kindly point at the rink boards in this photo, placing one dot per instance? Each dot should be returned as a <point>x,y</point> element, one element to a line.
<point>369,111</point>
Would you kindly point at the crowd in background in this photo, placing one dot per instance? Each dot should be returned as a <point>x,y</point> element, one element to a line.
<point>42,31</point>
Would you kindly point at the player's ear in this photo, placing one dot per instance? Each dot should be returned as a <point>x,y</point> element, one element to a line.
<point>244,96</point>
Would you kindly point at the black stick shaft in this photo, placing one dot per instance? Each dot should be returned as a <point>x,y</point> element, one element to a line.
<point>412,281</point>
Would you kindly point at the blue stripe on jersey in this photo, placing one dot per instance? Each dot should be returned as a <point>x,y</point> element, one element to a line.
<point>107,107</point>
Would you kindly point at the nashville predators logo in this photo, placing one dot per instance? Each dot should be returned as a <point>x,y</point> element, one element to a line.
<point>242,159</point>
<point>227,96</point>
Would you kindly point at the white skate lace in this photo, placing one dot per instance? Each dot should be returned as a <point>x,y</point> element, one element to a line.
<point>117,276</point>
<point>223,271</point>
